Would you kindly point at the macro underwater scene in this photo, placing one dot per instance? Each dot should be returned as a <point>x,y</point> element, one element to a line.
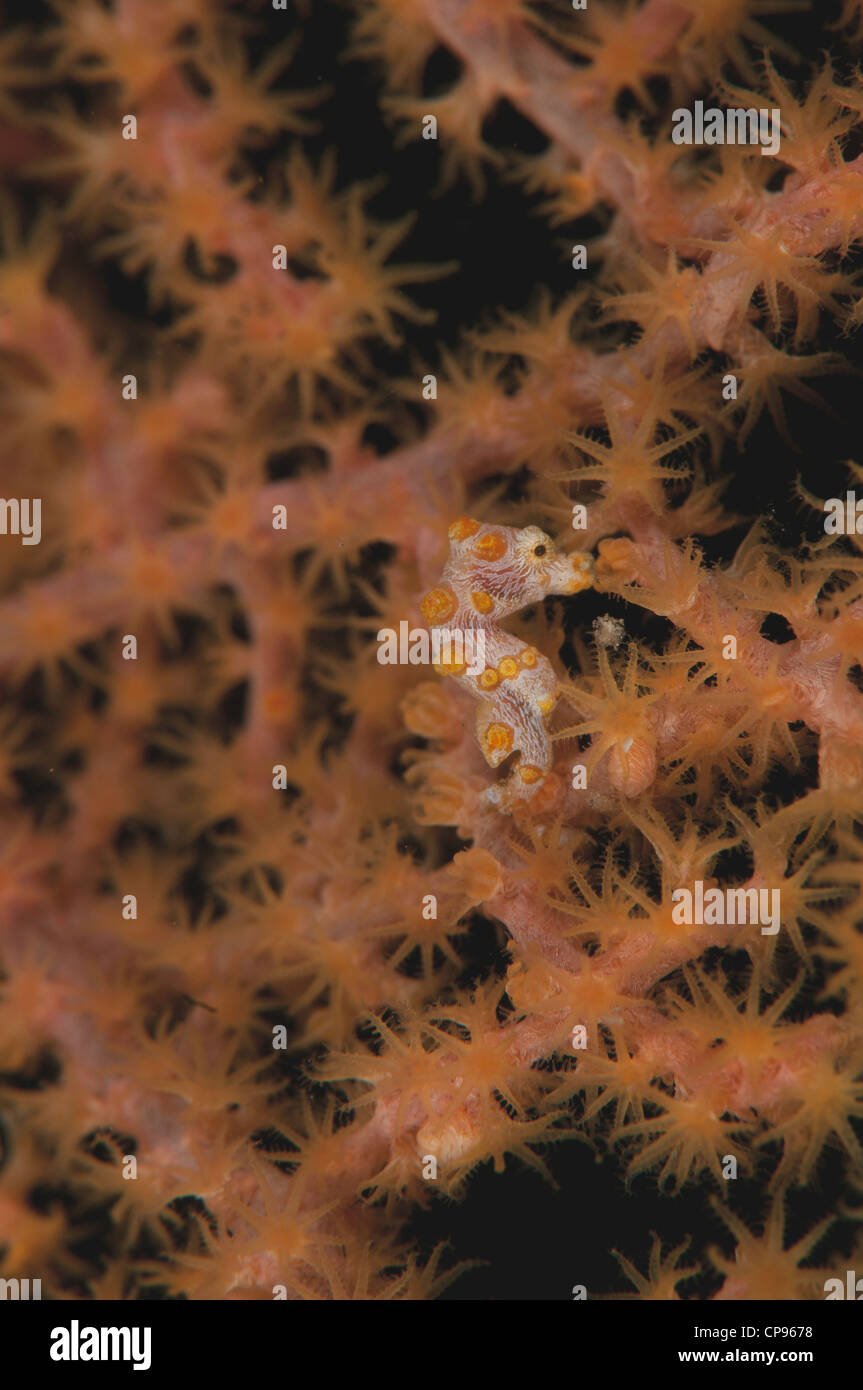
<point>431,649</point>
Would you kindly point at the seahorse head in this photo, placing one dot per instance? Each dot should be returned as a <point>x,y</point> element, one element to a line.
<point>496,570</point>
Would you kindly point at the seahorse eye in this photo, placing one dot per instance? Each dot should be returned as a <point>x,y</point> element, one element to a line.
<point>539,549</point>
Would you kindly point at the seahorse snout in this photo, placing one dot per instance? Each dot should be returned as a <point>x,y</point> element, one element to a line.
<point>569,574</point>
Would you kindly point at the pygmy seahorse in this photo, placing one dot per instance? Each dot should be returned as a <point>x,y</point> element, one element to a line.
<point>492,572</point>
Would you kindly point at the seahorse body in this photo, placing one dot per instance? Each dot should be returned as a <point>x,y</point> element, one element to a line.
<point>492,572</point>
